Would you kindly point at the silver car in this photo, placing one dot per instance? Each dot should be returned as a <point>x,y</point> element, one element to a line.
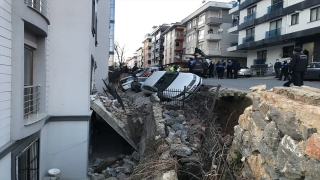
<point>171,84</point>
<point>245,71</point>
<point>313,71</point>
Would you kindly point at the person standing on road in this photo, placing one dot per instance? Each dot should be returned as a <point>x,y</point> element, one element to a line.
<point>298,67</point>
<point>197,67</point>
<point>284,70</point>
<point>277,67</point>
<point>190,65</point>
<point>211,68</point>
<point>235,67</point>
<point>229,69</point>
<point>220,70</point>
<point>205,68</point>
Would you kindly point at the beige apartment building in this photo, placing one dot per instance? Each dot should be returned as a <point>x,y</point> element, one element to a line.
<point>173,45</point>
<point>207,29</point>
<point>146,48</point>
<point>138,54</point>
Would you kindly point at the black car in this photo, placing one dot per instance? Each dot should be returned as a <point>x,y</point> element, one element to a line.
<point>313,71</point>
<point>137,82</point>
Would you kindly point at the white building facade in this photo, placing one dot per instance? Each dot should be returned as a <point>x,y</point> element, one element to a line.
<point>270,29</point>
<point>50,60</point>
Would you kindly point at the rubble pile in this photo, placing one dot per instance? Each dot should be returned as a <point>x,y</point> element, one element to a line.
<point>278,135</point>
<point>114,168</point>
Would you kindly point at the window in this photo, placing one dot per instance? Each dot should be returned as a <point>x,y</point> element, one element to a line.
<point>276,1</point>
<point>28,162</point>
<point>287,51</point>
<point>250,32</point>
<point>200,46</point>
<point>194,22</point>
<point>295,19</point>
<point>189,25</point>
<point>93,18</point>
<point>315,14</point>
<point>201,34</point>
<point>252,10</point>
<point>276,24</point>
<point>201,19</point>
<point>262,55</point>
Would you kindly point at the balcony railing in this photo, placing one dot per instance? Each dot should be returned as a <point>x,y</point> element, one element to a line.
<point>234,43</point>
<point>275,7</point>
<point>274,32</point>
<point>178,48</point>
<point>259,61</point>
<point>248,39</point>
<point>31,104</point>
<point>235,4</point>
<point>235,23</point>
<point>249,17</point>
<point>35,4</point>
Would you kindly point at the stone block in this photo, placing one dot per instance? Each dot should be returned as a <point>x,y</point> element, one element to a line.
<point>313,169</point>
<point>264,108</point>
<point>258,88</point>
<point>286,123</point>
<point>306,131</point>
<point>181,149</point>
<point>273,173</point>
<point>267,153</point>
<point>289,160</point>
<point>238,133</point>
<point>271,135</point>
<point>256,102</point>
<point>177,127</point>
<point>104,164</point>
<point>256,161</point>
<point>313,146</point>
<point>256,131</point>
<point>244,122</point>
<point>259,120</point>
<point>180,119</point>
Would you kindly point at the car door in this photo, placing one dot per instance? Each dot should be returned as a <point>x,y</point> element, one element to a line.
<point>311,72</point>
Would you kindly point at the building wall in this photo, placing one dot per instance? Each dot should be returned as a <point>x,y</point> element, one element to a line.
<point>273,53</point>
<point>5,167</point>
<point>70,57</point>
<point>5,73</point>
<point>70,154</point>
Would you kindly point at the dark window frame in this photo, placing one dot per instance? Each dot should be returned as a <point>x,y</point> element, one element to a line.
<point>317,9</point>
<point>96,27</point>
<point>287,51</point>
<point>93,30</point>
<point>296,17</point>
<point>252,32</point>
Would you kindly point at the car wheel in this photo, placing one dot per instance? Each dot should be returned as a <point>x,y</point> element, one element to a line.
<point>248,75</point>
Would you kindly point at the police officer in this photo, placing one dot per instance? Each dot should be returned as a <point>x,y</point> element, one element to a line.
<point>229,69</point>
<point>298,67</point>
<point>284,70</point>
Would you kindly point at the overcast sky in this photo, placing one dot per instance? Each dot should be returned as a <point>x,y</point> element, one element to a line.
<point>135,18</point>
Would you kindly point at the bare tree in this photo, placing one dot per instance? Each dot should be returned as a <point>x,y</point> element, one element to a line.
<point>120,52</point>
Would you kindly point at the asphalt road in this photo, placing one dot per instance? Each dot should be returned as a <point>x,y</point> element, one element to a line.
<point>244,83</point>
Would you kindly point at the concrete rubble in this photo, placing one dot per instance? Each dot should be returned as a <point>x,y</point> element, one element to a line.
<point>278,135</point>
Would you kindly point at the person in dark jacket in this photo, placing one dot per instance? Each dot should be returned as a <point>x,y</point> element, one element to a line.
<point>205,68</point>
<point>298,67</point>
<point>197,67</point>
<point>211,68</point>
<point>277,67</point>
<point>284,70</point>
<point>220,69</point>
<point>235,67</point>
<point>229,69</point>
<point>190,65</point>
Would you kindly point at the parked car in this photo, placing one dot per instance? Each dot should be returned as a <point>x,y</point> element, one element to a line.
<point>137,83</point>
<point>126,82</point>
<point>313,71</point>
<point>245,71</point>
<point>165,81</point>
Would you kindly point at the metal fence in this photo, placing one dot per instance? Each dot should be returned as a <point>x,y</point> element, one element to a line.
<point>174,97</point>
<point>31,104</point>
<point>262,72</point>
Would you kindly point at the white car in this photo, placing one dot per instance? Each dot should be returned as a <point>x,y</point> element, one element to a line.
<point>126,82</point>
<point>171,84</point>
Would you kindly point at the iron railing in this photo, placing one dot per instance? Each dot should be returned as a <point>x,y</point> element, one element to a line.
<point>249,17</point>
<point>234,24</point>
<point>248,39</point>
<point>274,32</point>
<point>275,7</point>
<point>235,4</point>
<point>174,97</point>
<point>31,104</point>
<point>35,4</point>
<point>234,43</point>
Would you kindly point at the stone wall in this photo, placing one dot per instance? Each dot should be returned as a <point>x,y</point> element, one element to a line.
<point>278,135</point>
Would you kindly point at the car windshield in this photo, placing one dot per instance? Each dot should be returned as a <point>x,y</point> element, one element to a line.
<point>130,78</point>
<point>166,80</point>
<point>142,79</point>
<point>139,73</point>
<point>314,65</point>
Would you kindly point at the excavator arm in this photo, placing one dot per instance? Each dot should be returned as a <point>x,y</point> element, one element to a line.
<point>200,52</point>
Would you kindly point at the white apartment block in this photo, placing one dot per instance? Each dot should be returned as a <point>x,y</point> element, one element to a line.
<point>206,28</point>
<point>146,50</point>
<point>269,29</point>
<point>52,54</point>
<point>139,56</point>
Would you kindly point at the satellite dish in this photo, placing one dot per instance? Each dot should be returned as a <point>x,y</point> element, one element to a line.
<point>203,1</point>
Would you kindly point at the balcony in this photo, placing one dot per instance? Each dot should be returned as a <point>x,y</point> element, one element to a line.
<point>178,59</point>
<point>235,23</point>
<point>259,61</point>
<point>179,37</point>
<point>214,21</point>
<point>213,52</point>
<point>216,36</point>
<point>184,32</point>
<point>248,39</point>
<point>275,7</point>
<point>149,44</point>
<point>249,17</point>
<point>235,4</point>
<point>178,48</point>
<point>152,48</point>
<point>31,104</point>
<point>234,43</point>
<point>184,45</point>
<point>274,32</point>
<point>35,4</point>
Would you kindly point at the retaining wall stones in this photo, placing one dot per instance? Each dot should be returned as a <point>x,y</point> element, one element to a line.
<point>278,136</point>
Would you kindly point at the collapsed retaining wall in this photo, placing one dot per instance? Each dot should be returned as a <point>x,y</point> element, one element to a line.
<point>278,135</point>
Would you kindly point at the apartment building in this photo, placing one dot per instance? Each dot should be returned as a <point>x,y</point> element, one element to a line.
<point>131,61</point>
<point>270,29</point>
<point>111,33</point>
<point>50,60</point>
<point>173,45</point>
<point>157,45</point>
<point>146,48</point>
<point>139,56</point>
<point>206,28</point>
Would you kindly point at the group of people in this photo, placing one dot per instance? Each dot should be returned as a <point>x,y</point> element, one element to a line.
<point>296,67</point>
<point>204,69</point>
